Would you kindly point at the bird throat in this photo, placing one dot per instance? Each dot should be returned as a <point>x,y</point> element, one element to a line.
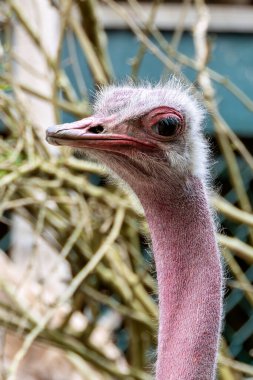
<point>189,279</point>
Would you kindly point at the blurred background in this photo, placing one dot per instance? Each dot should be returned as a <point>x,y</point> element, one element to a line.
<point>64,314</point>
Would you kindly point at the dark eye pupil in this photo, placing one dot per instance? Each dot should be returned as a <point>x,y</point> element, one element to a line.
<point>166,127</point>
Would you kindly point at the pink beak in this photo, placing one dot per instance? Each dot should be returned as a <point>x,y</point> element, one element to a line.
<point>91,132</point>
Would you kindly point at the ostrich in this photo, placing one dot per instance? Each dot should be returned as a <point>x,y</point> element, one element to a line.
<point>150,136</point>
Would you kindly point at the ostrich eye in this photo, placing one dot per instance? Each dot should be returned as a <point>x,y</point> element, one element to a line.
<point>167,127</point>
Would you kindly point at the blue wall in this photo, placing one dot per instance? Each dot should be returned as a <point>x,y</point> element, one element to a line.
<point>232,57</point>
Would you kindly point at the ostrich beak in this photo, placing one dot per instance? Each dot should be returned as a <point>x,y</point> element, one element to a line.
<point>72,134</point>
<point>94,132</point>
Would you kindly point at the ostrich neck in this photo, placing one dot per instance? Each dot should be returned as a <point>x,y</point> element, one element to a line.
<point>189,279</point>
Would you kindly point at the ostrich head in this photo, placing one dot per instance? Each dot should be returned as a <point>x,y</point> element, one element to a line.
<point>151,138</point>
<point>140,132</point>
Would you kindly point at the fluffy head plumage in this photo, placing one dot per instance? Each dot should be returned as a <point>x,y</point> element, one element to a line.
<point>130,101</point>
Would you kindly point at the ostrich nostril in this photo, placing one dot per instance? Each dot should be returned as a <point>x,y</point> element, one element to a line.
<point>97,129</point>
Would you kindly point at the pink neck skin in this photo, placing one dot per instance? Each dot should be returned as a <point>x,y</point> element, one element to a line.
<point>189,279</point>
